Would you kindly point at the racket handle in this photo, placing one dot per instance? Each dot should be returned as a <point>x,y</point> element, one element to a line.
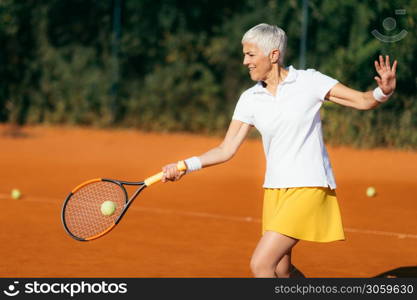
<point>157,177</point>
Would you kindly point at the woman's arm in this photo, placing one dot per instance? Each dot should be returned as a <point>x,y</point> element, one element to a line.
<point>386,81</point>
<point>346,96</point>
<point>226,150</point>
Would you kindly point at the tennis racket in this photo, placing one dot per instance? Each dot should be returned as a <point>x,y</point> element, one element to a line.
<point>82,214</point>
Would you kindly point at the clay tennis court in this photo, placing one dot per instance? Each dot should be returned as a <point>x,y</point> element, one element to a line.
<point>206,225</point>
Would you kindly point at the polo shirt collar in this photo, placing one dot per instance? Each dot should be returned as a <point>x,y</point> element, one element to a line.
<point>291,76</point>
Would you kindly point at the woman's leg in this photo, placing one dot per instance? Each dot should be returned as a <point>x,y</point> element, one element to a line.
<point>271,248</point>
<point>285,269</point>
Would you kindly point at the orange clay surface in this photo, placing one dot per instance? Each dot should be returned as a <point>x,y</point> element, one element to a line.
<point>205,225</point>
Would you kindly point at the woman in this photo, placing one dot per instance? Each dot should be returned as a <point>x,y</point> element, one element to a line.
<point>299,199</point>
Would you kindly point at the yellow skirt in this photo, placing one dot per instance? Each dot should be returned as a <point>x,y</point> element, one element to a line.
<point>305,213</point>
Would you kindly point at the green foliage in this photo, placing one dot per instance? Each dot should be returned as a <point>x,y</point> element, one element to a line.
<point>178,64</point>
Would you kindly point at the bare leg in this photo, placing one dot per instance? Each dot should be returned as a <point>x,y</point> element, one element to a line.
<point>285,269</point>
<point>271,248</point>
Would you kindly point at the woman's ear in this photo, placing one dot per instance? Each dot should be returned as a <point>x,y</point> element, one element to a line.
<point>274,56</point>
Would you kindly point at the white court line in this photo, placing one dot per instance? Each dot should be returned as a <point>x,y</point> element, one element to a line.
<point>255,220</point>
<point>399,235</point>
<point>197,214</point>
<point>386,233</point>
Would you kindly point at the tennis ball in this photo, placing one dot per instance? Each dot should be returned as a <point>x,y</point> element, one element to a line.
<point>370,191</point>
<point>107,208</point>
<point>16,194</point>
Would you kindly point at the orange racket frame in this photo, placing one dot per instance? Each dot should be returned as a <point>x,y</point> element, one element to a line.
<point>128,201</point>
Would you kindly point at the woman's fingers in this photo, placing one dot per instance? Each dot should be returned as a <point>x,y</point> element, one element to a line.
<point>171,173</point>
<point>179,175</point>
<point>384,65</point>
<point>381,62</point>
<point>394,66</point>
<point>377,66</point>
<point>387,62</point>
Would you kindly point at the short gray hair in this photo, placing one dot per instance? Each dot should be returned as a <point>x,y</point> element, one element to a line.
<point>267,37</point>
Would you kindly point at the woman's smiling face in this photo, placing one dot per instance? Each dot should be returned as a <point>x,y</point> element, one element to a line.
<point>258,63</point>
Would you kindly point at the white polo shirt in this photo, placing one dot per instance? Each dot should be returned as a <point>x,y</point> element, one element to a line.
<point>291,130</point>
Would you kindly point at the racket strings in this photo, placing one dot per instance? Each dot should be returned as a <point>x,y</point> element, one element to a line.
<point>83,215</point>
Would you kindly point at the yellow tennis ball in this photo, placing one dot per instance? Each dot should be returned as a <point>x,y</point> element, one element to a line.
<point>107,208</point>
<point>370,191</point>
<point>16,194</point>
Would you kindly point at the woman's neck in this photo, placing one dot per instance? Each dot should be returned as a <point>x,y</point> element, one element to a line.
<point>275,77</point>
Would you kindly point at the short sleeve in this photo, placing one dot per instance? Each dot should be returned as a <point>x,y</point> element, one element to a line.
<point>322,84</point>
<point>243,111</point>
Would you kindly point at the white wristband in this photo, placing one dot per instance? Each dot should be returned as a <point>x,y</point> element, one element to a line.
<point>193,164</point>
<point>380,96</point>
